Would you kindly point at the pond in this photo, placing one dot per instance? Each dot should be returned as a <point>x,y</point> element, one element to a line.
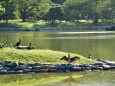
<point>99,44</point>
<point>97,78</point>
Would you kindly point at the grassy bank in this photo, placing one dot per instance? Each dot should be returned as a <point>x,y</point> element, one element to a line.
<point>14,24</point>
<point>41,56</point>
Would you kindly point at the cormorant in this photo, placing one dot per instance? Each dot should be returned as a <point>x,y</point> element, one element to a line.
<point>29,47</point>
<point>70,60</point>
<point>18,43</point>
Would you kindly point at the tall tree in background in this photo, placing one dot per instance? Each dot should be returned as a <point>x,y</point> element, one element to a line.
<point>24,7</point>
<point>2,10</point>
<point>9,10</point>
<point>89,9</point>
<point>34,8</point>
<point>55,13</point>
<point>94,9</point>
<point>75,9</point>
<point>58,1</point>
<point>41,7</point>
<point>112,9</point>
<point>104,10</point>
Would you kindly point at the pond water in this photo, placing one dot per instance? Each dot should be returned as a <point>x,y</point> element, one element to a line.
<point>99,44</point>
<point>97,78</point>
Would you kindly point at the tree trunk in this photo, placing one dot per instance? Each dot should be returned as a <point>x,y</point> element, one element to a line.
<point>95,21</point>
<point>6,20</point>
<point>53,22</point>
<point>23,17</point>
<point>23,20</point>
<point>96,18</point>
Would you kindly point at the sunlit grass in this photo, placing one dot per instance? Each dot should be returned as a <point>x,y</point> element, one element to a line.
<point>43,24</point>
<point>41,56</point>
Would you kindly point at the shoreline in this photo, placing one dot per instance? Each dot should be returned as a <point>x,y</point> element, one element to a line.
<point>91,28</point>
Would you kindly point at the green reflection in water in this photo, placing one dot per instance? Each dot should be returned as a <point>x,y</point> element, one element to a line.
<point>96,78</point>
<point>37,79</point>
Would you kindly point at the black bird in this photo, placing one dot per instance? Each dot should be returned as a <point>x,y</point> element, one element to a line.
<point>29,47</point>
<point>18,43</point>
<point>89,56</point>
<point>70,60</point>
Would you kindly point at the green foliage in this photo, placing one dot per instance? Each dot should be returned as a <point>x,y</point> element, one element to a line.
<point>89,9</point>
<point>55,13</point>
<point>9,11</point>
<point>24,7</point>
<point>32,8</point>
<point>42,7</point>
<point>42,56</point>
<point>58,1</point>
<point>52,10</point>
<point>4,0</point>
<point>2,10</point>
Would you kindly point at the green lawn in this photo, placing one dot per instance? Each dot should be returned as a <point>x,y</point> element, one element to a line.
<point>41,56</point>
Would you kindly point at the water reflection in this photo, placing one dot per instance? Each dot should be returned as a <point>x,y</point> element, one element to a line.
<point>38,79</point>
<point>82,37</point>
<point>97,78</point>
<point>90,79</point>
<point>86,32</point>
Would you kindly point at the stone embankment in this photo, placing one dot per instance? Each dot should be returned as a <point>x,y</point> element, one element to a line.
<point>8,67</point>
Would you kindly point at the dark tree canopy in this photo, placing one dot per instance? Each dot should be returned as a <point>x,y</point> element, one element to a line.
<point>55,13</point>
<point>58,1</point>
<point>9,11</point>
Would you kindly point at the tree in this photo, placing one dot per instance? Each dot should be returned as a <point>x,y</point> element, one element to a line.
<point>24,7</point>
<point>112,9</point>
<point>2,10</point>
<point>103,10</point>
<point>75,9</point>
<point>9,10</point>
<point>88,9</point>
<point>55,13</point>
<point>42,7</point>
<point>28,8</point>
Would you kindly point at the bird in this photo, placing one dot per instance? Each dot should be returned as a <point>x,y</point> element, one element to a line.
<point>89,56</point>
<point>70,60</point>
<point>29,47</point>
<point>18,43</point>
<point>11,45</point>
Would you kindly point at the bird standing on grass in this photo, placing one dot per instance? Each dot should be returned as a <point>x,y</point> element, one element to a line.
<point>70,60</point>
<point>29,47</point>
<point>18,43</point>
<point>89,56</point>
